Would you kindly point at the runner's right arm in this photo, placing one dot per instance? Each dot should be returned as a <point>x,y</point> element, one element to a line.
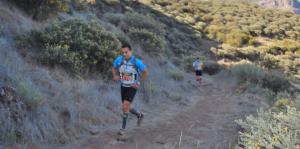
<point>114,70</point>
<point>194,66</point>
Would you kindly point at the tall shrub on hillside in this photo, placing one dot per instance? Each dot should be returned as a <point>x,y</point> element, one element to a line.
<point>150,42</point>
<point>40,9</point>
<point>75,44</point>
<point>255,75</point>
<point>140,21</point>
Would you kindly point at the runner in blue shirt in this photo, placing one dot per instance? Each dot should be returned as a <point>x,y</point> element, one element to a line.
<point>198,66</point>
<point>128,67</point>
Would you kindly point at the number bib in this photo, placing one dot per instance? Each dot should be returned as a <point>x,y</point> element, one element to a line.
<point>199,66</point>
<point>127,78</point>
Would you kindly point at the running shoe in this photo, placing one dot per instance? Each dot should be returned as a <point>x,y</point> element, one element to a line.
<point>140,119</point>
<point>121,131</point>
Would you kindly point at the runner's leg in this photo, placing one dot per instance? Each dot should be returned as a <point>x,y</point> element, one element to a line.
<point>128,98</point>
<point>135,111</point>
<point>200,78</point>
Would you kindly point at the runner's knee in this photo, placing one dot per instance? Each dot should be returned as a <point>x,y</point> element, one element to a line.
<point>126,105</point>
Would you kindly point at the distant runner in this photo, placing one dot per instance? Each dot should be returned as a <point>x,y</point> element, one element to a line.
<point>198,66</point>
<point>128,67</point>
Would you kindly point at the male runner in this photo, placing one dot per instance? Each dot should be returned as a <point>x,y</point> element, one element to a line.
<point>129,82</point>
<point>198,66</point>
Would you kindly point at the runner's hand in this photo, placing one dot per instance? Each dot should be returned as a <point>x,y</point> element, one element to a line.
<point>134,85</point>
<point>116,78</point>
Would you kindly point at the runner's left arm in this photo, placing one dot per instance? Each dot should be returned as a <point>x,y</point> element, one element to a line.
<point>143,69</point>
<point>144,76</point>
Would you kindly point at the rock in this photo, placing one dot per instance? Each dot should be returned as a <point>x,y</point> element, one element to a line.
<point>166,93</point>
<point>109,108</point>
<point>94,132</point>
<point>125,139</point>
<point>80,137</point>
<point>18,133</point>
<point>63,140</point>
<point>182,103</point>
<point>12,108</point>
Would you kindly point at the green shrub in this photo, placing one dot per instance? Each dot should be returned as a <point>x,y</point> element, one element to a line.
<point>176,61</point>
<point>80,6</point>
<point>226,51</point>
<point>150,41</point>
<point>207,17</point>
<point>255,75</point>
<point>176,75</point>
<point>212,67</point>
<point>274,49</point>
<point>31,99</point>
<point>149,88</point>
<point>257,89</point>
<point>248,52</point>
<point>177,96</point>
<point>113,18</point>
<point>270,61</point>
<point>41,9</point>
<point>75,44</point>
<point>271,130</point>
<point>140,22</point>
<point>288,45</point>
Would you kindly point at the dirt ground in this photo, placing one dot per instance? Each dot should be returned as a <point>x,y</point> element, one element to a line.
<point>204,119</point>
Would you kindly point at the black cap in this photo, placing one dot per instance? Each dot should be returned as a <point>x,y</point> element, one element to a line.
<point>198,58</point>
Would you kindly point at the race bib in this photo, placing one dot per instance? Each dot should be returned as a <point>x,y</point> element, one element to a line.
<point>198,66</point>
<point>126,77</point>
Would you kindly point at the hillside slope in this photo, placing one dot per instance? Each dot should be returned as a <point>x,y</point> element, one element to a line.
<point>291,5</point>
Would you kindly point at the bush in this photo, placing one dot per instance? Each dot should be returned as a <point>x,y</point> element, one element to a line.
<point>149,88</point>
<point>41,9</point>
<point>248,52</point>
<point>140,22</point>
<point>31,99</point>
<point>255,75</point>
<point>288,45</point>
<point>176,61</point>
<point>75,45</point>
<point>113,18</point>
<point>151,42</point>
<point>270,61</point>
<point>80,6</point>
<point>212,67</point>
<point>176,75</point>
<point>271,130</point>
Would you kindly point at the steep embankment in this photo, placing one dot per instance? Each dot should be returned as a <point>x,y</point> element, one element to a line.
<point>292,5</point>
<point>205,118</point>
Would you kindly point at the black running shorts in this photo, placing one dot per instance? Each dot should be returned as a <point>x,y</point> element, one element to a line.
<point>127,93</point>
<point>198,73</point>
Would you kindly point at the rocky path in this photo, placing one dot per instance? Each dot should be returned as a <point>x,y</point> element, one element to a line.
<point>206,122</point>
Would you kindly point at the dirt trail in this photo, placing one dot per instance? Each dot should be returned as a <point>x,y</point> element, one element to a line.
<point>210,113</point>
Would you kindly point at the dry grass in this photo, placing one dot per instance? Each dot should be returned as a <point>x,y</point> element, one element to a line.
<point>15,20</point>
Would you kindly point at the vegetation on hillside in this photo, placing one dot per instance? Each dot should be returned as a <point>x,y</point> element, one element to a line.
<point>65,63</point>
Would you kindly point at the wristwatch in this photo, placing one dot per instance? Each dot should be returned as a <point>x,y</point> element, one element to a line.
<point>138,83</point>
